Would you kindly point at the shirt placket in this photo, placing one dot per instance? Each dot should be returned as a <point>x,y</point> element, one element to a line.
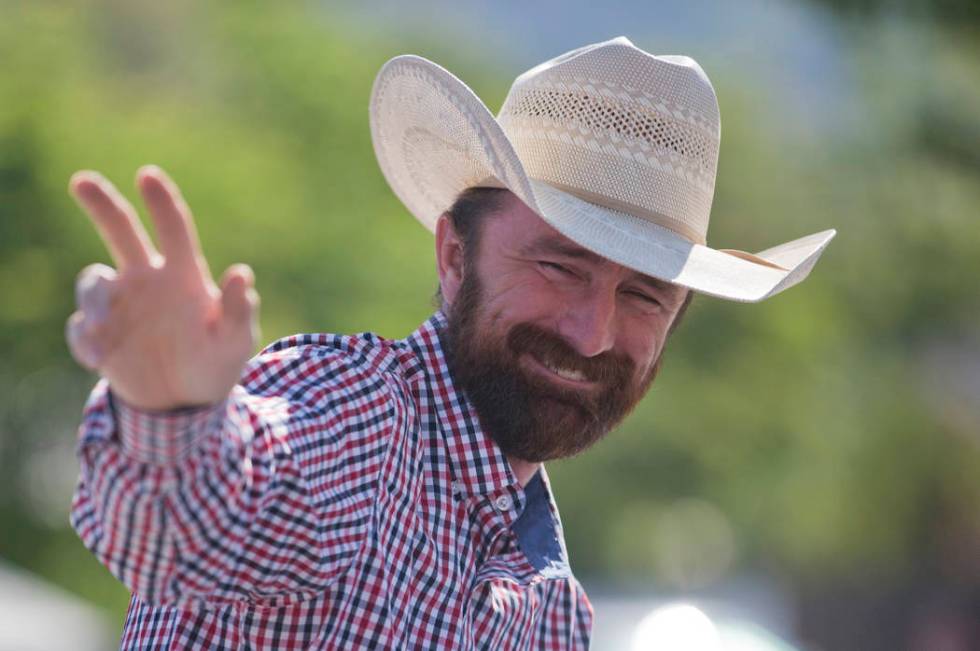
<point>501,557</point>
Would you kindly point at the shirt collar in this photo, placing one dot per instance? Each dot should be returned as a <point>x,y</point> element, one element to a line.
<point>478,464</point>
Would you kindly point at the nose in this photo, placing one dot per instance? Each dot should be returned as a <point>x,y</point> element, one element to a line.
<point>589,323</point>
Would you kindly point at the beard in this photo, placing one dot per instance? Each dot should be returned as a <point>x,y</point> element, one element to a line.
<point>528,416</point>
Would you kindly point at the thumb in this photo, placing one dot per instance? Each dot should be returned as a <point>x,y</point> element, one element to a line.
<point>239,299</point>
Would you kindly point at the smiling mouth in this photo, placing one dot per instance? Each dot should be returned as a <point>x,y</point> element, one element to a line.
<point>567,376</point>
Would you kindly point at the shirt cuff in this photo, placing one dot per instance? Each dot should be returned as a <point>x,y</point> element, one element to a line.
<point>164,437</point>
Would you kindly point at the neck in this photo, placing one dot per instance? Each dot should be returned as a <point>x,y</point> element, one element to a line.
<point>524,470</point>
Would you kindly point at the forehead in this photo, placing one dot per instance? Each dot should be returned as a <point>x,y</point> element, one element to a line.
<point>521,231</point>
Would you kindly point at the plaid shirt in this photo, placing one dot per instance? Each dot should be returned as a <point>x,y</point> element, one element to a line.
<point>343,497</point>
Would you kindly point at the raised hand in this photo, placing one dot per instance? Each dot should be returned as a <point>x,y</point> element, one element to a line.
<point>158,327</point>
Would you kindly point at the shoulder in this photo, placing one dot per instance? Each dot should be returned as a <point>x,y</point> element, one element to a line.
<point>337,403</point>
<point>326,391</point>
<point>321,368</point>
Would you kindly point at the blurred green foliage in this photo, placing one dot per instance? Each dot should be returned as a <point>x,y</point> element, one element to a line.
<point>957,13</point>
<point>831,431</point>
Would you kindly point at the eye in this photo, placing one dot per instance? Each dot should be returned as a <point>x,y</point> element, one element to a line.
<point>642,296</point>
<point>555,268</point>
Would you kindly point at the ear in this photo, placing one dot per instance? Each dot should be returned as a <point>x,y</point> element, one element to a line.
<point>449,258</point>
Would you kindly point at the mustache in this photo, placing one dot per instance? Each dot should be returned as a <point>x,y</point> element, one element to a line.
<point>606,369</point>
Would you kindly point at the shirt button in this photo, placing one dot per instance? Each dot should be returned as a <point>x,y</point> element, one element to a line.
<point>503,502</point>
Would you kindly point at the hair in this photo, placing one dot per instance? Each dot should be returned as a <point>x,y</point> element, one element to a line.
<point>681,312</point>
<point>467,215</point>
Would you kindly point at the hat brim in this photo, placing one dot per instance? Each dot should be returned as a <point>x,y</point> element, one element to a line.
<point>433,138</point>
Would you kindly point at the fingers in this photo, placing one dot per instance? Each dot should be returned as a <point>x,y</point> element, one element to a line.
<point>114,218</point>
<point>240,307</point>
<point>239,300</point>
<point>81,342</point>
<point>87,329</point>
<point>93,290</point>
<point>172,218</point>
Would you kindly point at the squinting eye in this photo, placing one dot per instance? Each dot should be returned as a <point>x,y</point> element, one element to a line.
<point>646,298</point>
<point>554,266</point>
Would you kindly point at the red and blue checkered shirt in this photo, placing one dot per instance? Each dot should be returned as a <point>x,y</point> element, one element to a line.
<point>343,497</point>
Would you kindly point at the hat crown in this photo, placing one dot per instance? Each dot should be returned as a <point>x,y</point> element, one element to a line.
<point>621,128</point>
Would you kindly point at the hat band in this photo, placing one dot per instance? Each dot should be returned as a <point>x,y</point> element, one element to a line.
<point>654,217</point>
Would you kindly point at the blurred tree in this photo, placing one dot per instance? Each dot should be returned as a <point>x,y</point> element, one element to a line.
<point>954,13</point>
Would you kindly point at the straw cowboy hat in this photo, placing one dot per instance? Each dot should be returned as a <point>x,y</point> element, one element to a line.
<point>615,148</point>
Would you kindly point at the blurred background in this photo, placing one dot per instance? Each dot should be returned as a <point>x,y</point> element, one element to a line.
<point>806,471</point>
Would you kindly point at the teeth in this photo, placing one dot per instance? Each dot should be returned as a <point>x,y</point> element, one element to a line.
<point>567,373</point>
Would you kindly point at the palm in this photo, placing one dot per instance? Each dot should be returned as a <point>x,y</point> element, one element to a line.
<point>160,329</point>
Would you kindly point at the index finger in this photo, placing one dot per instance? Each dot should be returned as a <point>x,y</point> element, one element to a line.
<point>114,218</point>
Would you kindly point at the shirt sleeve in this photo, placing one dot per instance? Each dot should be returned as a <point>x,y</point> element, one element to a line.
<point>263,498</point>
<point>566,616</point>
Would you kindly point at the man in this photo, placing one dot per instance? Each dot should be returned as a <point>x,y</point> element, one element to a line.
<point>355,492</point>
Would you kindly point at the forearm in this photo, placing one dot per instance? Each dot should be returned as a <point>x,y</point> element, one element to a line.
<point>216,504</point>
<point>166,501</point>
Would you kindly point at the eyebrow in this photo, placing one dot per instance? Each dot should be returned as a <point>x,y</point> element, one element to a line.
<point>556,245</point>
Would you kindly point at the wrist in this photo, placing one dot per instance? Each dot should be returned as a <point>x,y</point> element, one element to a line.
<point>163,436</point>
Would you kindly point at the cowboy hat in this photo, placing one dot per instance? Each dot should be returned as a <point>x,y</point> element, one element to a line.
<point>615,148</point>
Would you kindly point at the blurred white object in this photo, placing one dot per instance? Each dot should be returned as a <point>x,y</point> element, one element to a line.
<point>37,616</point>
<point>679,626</point>
<point>741,614</point>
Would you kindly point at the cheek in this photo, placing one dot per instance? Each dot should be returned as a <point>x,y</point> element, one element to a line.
<point>521,297</point>
<point>644,351</point>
